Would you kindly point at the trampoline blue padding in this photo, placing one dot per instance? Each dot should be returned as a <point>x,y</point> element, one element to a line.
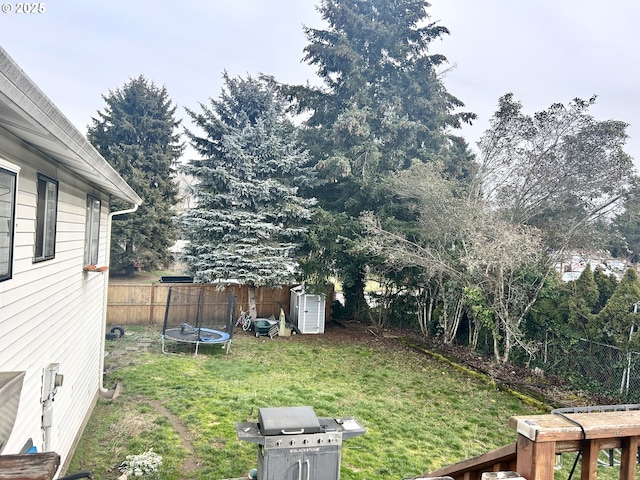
<point>200,335</point>
<point>213,336</point>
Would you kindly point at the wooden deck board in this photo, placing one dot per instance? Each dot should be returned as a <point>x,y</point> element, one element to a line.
<point>34,466</point>
<point>551,428</point>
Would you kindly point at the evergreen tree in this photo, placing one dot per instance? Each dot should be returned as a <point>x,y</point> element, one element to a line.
<point>607,284</point>
<point>548,316</point>
<point>136,133</point>
<point>583,301</point>
<point>617,317</point>
<point>382,106</point>
<point>248,214</point>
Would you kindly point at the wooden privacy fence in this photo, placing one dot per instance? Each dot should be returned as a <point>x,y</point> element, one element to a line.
<point>144,304</point>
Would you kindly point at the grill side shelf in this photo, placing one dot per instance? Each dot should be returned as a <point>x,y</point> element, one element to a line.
<point>249,432</point>
<point>349,426</point>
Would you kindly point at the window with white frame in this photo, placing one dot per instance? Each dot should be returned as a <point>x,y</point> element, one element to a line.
<point>92,231</point>
<point>46,213</point>
<point>8,182</point>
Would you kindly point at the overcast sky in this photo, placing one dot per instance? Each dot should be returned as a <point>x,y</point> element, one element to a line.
<point>544,52</point>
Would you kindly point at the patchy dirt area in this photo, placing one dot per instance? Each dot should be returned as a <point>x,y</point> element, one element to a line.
<point>191,462</point>
<point>551,390</point>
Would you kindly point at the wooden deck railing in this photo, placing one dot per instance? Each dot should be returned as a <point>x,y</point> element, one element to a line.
<point>541,437</point>
<point>500,460</point>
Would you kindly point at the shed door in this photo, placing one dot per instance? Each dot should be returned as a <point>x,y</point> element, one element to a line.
<point>311,314</point>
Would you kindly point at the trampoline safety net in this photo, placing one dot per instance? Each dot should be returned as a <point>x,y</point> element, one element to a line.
<point>198,314</point>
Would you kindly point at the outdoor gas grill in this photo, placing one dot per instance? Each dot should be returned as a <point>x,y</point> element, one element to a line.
<point>295,444</point>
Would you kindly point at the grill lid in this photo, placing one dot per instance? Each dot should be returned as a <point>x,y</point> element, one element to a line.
<point>288,421</point>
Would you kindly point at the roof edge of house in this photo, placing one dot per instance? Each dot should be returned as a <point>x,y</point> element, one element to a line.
<point>27,96</point>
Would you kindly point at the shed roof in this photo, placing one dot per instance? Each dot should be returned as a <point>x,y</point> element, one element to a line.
<point>27,113</point>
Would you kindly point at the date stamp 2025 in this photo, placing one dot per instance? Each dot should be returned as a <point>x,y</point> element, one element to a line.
<point>25,8</point>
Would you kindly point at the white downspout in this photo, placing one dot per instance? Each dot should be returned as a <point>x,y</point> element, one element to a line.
<point>103,391</point>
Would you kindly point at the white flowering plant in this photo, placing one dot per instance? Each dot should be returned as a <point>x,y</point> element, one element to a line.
<point>144,465</point>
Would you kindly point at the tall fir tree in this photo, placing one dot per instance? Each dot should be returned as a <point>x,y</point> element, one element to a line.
<point>382,106</point>
<point>618,317</point>
<point>607,284</point>
<point>137,133</point>
<point>248,215</point>
<point>583,296</point>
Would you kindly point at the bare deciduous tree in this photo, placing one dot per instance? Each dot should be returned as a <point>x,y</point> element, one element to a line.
<point>559,169</point>
<point>542,180</point>
<point>459,247</point>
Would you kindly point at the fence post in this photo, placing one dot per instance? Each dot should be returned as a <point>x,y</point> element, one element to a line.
<point>627,373</point>
<point>152,300</point>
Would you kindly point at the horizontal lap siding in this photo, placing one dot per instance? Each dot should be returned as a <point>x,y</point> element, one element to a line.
<point>51,311</point>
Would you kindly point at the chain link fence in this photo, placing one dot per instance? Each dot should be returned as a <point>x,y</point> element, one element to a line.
<point>599,368</point>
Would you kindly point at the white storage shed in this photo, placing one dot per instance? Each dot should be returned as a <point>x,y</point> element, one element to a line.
<point>307,310</point>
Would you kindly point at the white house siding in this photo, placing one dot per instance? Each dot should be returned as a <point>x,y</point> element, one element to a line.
<point>51,311</point>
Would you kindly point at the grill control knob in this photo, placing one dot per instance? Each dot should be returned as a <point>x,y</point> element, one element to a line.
<point>292,442</point>
<point>329,440</point>
<point>278,443</point>
<point>305,441</point>
<point>320,440</point>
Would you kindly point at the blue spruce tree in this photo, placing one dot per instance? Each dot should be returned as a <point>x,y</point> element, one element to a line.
<point>248,215</point>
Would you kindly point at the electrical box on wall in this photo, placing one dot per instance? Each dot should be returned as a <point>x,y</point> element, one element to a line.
<point>51,381</point>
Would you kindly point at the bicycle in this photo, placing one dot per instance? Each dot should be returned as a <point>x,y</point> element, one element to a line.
<point>244,321</point>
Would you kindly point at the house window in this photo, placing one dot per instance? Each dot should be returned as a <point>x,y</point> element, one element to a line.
<point>92,231</point>
<point>46,213</point>
<point>7,221</point>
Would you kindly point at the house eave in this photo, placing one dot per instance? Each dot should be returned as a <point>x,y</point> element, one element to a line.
<point>28,114</point>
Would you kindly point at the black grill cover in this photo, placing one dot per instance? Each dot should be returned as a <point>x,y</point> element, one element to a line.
<point>288,421</point>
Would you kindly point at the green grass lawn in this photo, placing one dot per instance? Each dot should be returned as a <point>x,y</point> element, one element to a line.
<point>419,414</point>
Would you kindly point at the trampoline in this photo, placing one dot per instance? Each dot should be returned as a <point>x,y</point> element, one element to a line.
<point>198,314</point>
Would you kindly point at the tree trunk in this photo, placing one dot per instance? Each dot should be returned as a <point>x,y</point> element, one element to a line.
<point>474,332</point>
<point>425,304</point>
<point>130,268</point>
<point>457,318</point>
<point>452,310</point>
<point>496,350</point>
<point>355,304</point>
<point>507,348</point>
<point>385,299</point>
<point>251,294</point>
